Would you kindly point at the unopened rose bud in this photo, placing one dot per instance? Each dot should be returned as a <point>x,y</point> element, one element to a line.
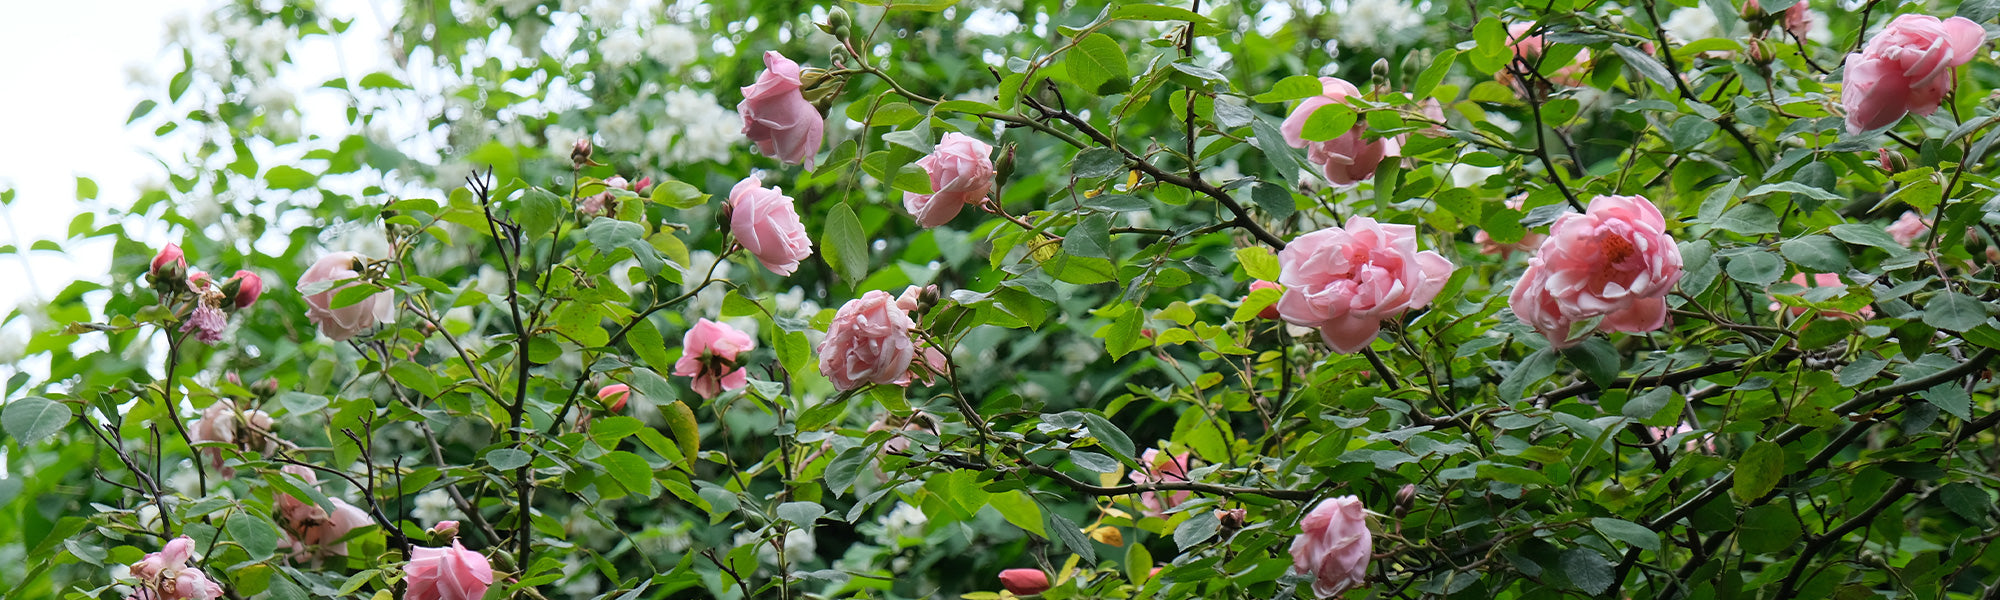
<point>614,396</point>
<point>1760,50</point>
<point>579,154</point>
<point>1379,74</point>
<point>266,388</point>
<point>1752,10</point>
<point>1891,161</point>
<point>1232,519</point>
<point>928,298</point>
<point>1405,497</point>
<point>1005,165</point>
<point>644,183</point>
<point>617,182</point>
<point>198,279</point>
<point>243,289</point>
<point>838,21</point>
<point>232,377</point>
<point>169,256</point>
<point>722,214</point>
<point>443,532</point>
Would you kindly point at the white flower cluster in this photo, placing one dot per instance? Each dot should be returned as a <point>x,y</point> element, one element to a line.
<point>693,128</point>
<point>1379,23</point>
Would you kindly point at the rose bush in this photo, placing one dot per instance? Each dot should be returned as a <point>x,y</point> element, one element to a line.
<point>606,300</point>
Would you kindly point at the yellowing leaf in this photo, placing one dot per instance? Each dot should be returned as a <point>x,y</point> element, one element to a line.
<point>1109,536</point>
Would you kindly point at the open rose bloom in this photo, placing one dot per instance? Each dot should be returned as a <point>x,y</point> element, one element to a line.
<point>1161,468</point>
<point>447,574</point>
<point>166,575</point>
<point>868,342</point>
<point>222,423</point>
<point>1346,159</point>
<point>1334,546</point>
<point>1346,281</point>
<point>776,115</point>
<point>342,323</point>
<point>961,170</point>
<point>709,353</point>
<point>765,222</point>
<point>1614,262</point>
<point>1907,68</point>
<point>311,531</point>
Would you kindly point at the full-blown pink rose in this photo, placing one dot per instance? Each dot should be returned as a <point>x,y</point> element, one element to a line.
<point>1347,159</point>
<point>309,529</point>
<point>961,170</point>
<point>1023,582</point>
<point>1614,261</point>
<point>765,223</point>
<point>1906,68</point>
<point>868,342</point>
<point>221,423</point>
<point>1823,280</point>
<point>346,321</point>
<point>1334,546</point>
<point>776,115</point>
<point>447,574</point>
<point>1346,281</point>
<point>709,354</point>
<point>1161,469</point>
<point>165,575</point>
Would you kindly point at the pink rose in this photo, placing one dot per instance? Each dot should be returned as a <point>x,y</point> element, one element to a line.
<point>961,170</point>
<point>1614,261</point>
<point>309,529</point>
<point>1799,19</point>
<point>1269,312</point>
<point>221,424</point>
<point>1906,68</point>
<point>248,287</point>
<point>765,223</point>
<point>165,575</point>
<point>1528,48</point>
<point>614,396</point>
<point>206,322</point>
<point>709,353</point>
<point>1024,582</point>
<point>169,258</point>
<point>1346,159</point>
<point>447,574</point>
<point>777,116</point>
<point>1161,469</point>
<point>1824,280</point>
<point>346,321</point>
<point>1909,227</point>
<point>868,342</point>
<point>1334,546</point>
<point>1347,281</point>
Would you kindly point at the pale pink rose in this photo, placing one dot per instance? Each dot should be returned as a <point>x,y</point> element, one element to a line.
<point>765,223</point>
<point>1614,261</point>
<point>1347,159</point>
<point>206,322</point>
<point>1334,546</point>
<point>447,574</point>
<point>709,354</point>
<point>1909,227</point>
<point>1161,469</point>
<point>1346,281</point>
<point>1269,312</point>
<point>868,342</point>
<point>595,204</point>
<point>165,575</point>
<point>912,297</point>
<point>614,396</point>
<point>311,531</point>
<point>1024,582</point>
<point>1799,20</point>
<point>776,115</point>
<point>221,423</point>
<point>1824,280</point>
<point>344,322</point>
<point>1906,68</point>
<point>961,170</point>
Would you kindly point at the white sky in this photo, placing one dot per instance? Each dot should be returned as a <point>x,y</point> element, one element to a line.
<point>62,115</point>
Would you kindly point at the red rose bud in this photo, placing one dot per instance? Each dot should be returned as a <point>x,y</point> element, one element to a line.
<point>644,183</point>
<point>443,531</point>
<point>614,396</point>
<point>1023,582</point>
<point>198,279</point>
<point>243,288</point>
<point>1271,311</point>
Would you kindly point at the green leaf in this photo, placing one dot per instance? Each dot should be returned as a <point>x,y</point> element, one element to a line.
<point>34,418</point>
<point>1196,529</point>
<point>1758,471</point>
<point>1328,122</point>
<point>1156,12</point>
<point>1123,335</point>
<point>1272,143</point>
<point>1796,188</point>
<point>609,234</point>
<point>144,107</point>
<point>382,81</point>
<point>1645,406</point>
<point>285,177</point>
<point>1070,535</point>
<point>1111,436</point>
<point>1492,53</point>
<point>1769,528</point>
<point>1599,361</point>
<point>1953,311</point>
<point>1816,252</point>
<point>1098,163</point>
<point>678,194</point>
<point>680,421</point>
<point>1864,234</point>
<point>415,377</point>
<point>629,470</point>
<point>845,245</point>
<point>608,431</point>
<point>539,211</point>
<point>1117,203</point>
<point>1274,199</point>
<point>257,536</point>
<point>802,514</point>
<point>1587,570</point>
<point>1090,238</point>
<point>1968,500</point>
<point>1434,74</point>
<point>1534,368</point>
<point>1756,268</point>
<point>1295,87</point>
<point>1748,219</point>
<point>1098,65</point>
<point>1258,262</point>
<point>506,459</point>
<point>1628,532</point>
<point>1647,67</point>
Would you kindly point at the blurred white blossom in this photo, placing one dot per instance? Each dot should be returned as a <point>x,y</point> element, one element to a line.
<point>620,49</point>
<point>1377,23</point>
<point>434,506</point>
<point>1690,24</point>
<point>672,45</point>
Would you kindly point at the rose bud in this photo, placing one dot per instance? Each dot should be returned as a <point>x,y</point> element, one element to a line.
<point>579,154</point>
<point>644,183</point>
<point>170,263</point>
<point>443,532</point>
<point>1232,519</point>
<point>1270,311</point>
<point>1408,495</point>
<point>1023,582</point>
<point>243,288</point>
<point>614,396</point>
